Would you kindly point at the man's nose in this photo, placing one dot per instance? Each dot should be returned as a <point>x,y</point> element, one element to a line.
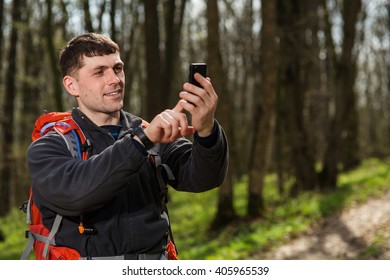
<point>111,77</point>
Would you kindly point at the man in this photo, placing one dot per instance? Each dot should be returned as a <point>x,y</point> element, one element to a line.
<point>114,194</point>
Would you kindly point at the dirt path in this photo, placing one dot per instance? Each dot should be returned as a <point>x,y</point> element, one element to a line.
<point>360,232</point>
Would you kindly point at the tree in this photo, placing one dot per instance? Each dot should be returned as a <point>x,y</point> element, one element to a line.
<point>344,119</point>
<point>293,85</point>
<point>387,67</point>
<point>173,24</point>
<point>131,49</point>
<point>30,93</point>
<point>112,20</point>
<point>1,35</point>
<point>50,48</point>
<point>225,209</point>
<point>266,105</point>
<point>153,97</point>
<point>8,110</point>
<point>87,16</point>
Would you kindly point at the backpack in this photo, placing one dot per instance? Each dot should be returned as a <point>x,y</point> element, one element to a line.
<point>41,239</point>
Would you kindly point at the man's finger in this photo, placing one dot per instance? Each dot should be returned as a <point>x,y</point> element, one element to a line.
<point>190,131</point>
<point>179,106</point>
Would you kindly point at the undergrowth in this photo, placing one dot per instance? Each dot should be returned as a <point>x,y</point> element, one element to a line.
<point>191,214</point>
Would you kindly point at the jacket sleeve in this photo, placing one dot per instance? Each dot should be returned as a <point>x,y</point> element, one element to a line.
<point>70,186</point>
<point>196,168</point>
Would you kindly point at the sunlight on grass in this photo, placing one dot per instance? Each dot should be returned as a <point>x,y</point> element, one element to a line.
<point>285,218</point>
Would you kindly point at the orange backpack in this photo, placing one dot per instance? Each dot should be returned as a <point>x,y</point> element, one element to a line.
<point>41,239</point>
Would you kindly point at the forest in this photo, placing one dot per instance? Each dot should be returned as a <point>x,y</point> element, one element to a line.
<point>303,86</point>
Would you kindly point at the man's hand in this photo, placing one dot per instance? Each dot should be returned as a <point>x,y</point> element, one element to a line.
<point>172,124</point>
<point>169,125</point>
<point>201,103</point>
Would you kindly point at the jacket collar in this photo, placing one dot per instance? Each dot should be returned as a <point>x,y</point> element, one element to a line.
<point>128,122</point>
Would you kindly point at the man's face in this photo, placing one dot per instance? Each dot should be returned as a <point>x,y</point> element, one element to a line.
<point>99,85</point>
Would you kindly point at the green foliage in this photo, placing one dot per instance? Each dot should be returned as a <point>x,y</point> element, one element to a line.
<point>245,239</point>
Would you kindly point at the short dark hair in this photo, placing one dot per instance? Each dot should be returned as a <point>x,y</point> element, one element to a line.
<point>89,44</point>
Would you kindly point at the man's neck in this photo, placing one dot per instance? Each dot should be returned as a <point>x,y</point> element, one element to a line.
<point>101,119</point>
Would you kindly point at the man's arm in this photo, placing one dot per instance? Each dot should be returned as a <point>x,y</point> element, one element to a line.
<point>198,166</point>
<point>71,186</point>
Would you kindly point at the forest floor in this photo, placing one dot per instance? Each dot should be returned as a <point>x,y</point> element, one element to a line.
<point>359,232</point>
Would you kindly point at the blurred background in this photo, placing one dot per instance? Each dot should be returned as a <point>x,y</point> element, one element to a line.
<point>304,97</point>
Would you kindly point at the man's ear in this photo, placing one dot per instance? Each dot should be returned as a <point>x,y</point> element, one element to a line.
<point>70,85</point>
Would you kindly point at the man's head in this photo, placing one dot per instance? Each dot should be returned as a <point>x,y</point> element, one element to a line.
<point>93,73</point>
<point>89,44</point>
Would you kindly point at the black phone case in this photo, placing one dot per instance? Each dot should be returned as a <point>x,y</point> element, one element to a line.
<point>200,68</point>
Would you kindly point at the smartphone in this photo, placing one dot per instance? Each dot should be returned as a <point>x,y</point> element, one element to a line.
<point>200,68</point>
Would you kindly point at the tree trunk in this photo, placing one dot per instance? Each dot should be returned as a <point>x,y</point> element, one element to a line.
<point>112,20</point>
<point>316,116</point>
<point>30,98</point>
<point>64,19</point>
<point>345,101</point>
<point>349,141</point>
<point>56,75</point>
<point>225,209</point>
<point>266,101</point>
<point>130,58</point>
<point>102,9</point>
<point>8,111</point>
<point>153,96</point>
<point>2,43</point>
<point>292,91</point>
<point>173,24</point>
<point>87,16</point>
<point>387,126</point>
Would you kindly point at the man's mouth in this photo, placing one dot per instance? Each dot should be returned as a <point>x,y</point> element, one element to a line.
<point>118,92</point>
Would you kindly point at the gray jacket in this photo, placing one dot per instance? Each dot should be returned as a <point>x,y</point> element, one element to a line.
<point>115,192</point>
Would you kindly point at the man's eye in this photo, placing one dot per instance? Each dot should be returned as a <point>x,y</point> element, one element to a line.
<point>99,73</point>
<point>118,69</point>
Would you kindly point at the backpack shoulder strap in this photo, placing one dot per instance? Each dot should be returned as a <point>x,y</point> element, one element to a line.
<point>74,138</point>
<point>164,176</point>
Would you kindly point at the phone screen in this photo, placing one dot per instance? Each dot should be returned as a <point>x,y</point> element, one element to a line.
<point>200,68</point>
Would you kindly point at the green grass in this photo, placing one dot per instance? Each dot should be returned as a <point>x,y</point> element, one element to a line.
<point>191,215</point>
<point>284,218</point>
<point>13,227</point>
